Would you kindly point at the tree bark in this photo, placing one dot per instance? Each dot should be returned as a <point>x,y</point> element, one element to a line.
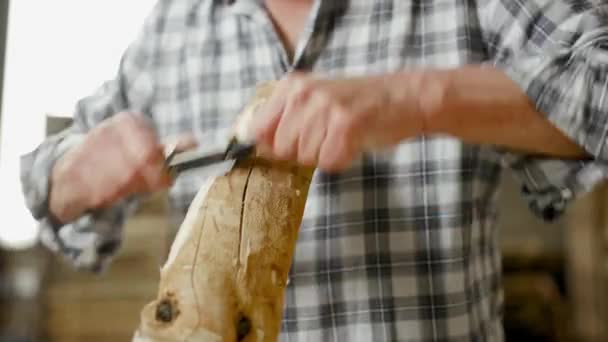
<point>228,267</point>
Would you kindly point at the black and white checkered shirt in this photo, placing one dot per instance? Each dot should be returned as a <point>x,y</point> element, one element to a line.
<point>402,246</point>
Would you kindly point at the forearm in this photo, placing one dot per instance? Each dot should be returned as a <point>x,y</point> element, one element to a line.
<point>481,105</point>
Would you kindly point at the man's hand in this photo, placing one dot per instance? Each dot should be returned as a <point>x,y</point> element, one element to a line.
<point>328,123</point>
<point>119,158</point>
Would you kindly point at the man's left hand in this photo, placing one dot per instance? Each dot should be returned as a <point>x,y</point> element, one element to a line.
<point>328,123</point>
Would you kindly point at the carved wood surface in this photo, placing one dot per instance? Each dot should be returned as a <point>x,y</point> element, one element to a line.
<point>227,270</point>
<point>226,274</point>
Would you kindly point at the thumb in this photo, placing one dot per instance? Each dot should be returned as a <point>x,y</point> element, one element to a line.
<point>181,143</point>
<point>186,142</point>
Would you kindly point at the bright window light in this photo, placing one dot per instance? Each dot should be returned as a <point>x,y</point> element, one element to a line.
<point>57,52</point>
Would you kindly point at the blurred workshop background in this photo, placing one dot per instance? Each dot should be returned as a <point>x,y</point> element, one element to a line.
<point>54,52</point>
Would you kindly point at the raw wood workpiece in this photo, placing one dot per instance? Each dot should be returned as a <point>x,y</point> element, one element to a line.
<point>226,274</point>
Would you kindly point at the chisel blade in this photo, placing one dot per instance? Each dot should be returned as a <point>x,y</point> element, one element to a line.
<point>212,162</point>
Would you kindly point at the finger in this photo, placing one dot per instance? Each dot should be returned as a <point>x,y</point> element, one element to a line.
<point>285,145</point>
<point>342,143</point>
<point>266,136</point>
<point>182,143</point>
<point>147,156</point>
<point>153,175</point>
<point>185,142</point>
<point>264,151</point>
<point>148,180</point>
<point>314,132</point>
<point>287,135</point>
<point>268,115</point>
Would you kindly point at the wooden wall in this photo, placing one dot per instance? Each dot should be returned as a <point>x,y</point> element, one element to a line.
<point>587,265</point>
<point>94,308</point>
<point>21,277</point>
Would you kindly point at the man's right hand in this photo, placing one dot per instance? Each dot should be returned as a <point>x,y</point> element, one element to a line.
<point>119,158</point>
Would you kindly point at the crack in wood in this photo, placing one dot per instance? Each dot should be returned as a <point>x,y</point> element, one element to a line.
<point>240,246</point>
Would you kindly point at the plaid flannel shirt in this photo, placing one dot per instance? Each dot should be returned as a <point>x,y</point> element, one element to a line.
<point>401,246</point>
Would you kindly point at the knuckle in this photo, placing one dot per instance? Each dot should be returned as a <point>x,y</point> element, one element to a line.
<point>303,87</point>
<point>322,98</point>
<point>106,136</point>
<point>343,123</point>
<point>340,111</point>
<point>124,120</point>
<point>99,133</point>
<point>134,123</point>
<point>131,126</point>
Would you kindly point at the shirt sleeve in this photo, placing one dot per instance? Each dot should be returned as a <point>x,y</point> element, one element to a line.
<point>557,52</point>
<point>90,241</point>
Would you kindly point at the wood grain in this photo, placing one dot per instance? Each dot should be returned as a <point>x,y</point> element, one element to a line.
<point>226,275</point>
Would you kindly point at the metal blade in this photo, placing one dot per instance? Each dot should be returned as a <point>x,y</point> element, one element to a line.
<point>239,151</point>
<point>203,159</point>
<point>194,159</point>
<point>211,170</point>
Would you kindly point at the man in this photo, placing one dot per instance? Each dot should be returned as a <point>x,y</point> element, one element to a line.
<point>410,109</point>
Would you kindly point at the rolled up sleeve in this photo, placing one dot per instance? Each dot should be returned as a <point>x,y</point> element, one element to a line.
<point>557,52</point>
<point>90,241</point>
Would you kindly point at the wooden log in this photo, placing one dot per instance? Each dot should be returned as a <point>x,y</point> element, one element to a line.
<point>226,274</point>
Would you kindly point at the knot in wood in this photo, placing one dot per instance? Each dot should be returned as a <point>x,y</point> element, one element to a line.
<point>164,311</point>
<point>243,328</point>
